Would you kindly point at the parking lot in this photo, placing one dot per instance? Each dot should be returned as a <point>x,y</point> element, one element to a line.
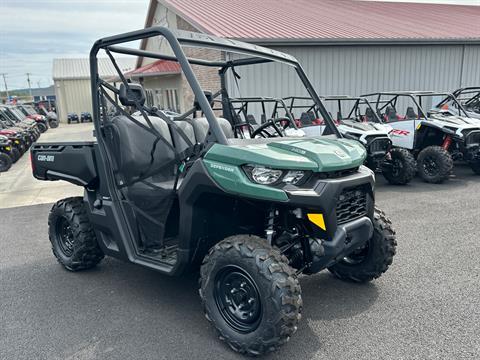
<point>424,307</point>
<point>19,188</point>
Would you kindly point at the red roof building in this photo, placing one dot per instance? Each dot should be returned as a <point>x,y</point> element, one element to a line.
<point>345,46</point>
<point>280,21</point>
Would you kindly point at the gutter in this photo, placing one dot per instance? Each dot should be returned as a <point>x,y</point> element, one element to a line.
<point>356,42</point>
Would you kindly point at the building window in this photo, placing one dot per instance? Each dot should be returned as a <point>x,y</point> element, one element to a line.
<point>170,100</point>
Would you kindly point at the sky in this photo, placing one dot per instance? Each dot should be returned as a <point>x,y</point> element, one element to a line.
<point>34,32</point>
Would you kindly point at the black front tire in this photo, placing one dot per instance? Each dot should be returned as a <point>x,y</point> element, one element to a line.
<point>372,260</point>
<point>53,124</point>
<point>73,240</point>
<point>273,308</point>
<point>403,167</point>
<point>435,164</point>
<point>5,162</point>
<point>15,155</point>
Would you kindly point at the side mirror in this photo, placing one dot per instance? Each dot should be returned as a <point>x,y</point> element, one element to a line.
<point>135,93</point>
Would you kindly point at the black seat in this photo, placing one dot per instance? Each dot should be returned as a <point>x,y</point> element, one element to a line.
<point>391,114</point>
<point>131,146</point>
<point>305,119</point>
<point>410,113</point>
<point>369,115</point>
<point>201,127</point>
<point>251,119</point>
<point>145,168</point>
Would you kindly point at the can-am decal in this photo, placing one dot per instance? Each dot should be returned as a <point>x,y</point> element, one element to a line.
<point>48,158</point>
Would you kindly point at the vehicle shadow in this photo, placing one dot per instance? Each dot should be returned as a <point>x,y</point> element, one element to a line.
<point>462,175</point>
<point>118,308</point>
<point>328,298</point>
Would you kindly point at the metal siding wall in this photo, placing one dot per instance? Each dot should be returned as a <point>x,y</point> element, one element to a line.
<point>355,70</point>
<point>73,96</point>
<point>471,69</point>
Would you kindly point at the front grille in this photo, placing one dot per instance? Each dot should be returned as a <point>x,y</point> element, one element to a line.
<point>472,138</point>
<point>351,204</point>
<point>338,173</point>
<point>380,144</point>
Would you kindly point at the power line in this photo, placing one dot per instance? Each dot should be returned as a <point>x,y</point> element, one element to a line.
<point>5,82</point>
<point>29,84</point>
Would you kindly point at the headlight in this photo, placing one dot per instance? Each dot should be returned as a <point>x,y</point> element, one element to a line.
<point>267,176</point>
<point>293,177</point>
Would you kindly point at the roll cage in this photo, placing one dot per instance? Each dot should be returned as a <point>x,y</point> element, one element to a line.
<point>390,98</point>
<point>255,55</point>
<point>463,99</point>
<point>353,110</point>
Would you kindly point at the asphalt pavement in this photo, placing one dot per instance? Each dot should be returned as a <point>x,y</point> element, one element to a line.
<point>427,306</point>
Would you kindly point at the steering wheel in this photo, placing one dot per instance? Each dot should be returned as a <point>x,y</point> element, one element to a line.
<point>278,125</point>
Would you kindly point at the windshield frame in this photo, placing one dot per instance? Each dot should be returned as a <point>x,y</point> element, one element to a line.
<point>177,39</point>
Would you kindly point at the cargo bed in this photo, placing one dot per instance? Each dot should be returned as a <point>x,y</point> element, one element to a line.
<point>72,161</point>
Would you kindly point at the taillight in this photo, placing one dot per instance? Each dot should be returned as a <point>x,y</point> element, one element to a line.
<point>31,162</point>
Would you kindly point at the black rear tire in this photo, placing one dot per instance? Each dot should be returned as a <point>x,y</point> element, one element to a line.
<point>5,162</point>
<point>53,124</point>
<point>42,127</point>
<point>404,167</point>
<point>74,243</point>
<point>475,167</point>
<point>15,155</point>
<point>435,164</point>
<point>259,316</point>
<point>372,260</point>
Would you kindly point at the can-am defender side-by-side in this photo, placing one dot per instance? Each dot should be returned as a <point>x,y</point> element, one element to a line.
<point>51,116</point>
<point>436,139</point>
<point>171,194</point>
<point>30,113</point>
<point>5,153</point>
<point>357,120</point>
<point>12,118</point>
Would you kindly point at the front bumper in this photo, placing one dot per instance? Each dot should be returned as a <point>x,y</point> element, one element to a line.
<point>325,196</point>
<point>347,238</point>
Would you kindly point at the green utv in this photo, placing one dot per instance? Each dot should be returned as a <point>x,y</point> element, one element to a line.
<point>174,193</point>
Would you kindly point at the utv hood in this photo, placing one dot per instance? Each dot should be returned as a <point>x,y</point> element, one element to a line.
<point>7,132</point>
<point>321,154</point>
<point>362,126</point>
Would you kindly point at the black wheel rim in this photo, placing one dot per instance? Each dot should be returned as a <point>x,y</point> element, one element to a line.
<point>65,237</point>
<point>397,167</point>
<point>238,299</point>
<point>430,166</point>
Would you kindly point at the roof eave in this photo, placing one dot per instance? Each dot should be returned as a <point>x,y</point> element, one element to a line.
<point>347,42</point>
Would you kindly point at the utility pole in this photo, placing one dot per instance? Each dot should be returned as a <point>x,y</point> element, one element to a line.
<point>5,82</point>
<point>29,84</point>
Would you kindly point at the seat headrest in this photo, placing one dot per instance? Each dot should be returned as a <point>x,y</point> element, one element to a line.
<point>410,113</point>
<point>135,93</point>
<point>369,114</point>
